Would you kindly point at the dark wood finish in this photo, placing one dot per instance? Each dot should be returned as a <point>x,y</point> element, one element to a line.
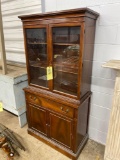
<point>37,119</point>
<point>58,109</point>
<point>70,13</point>
<point>50,104</point>
<point>60,130</point>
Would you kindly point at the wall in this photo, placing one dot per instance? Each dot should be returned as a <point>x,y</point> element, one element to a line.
<point>13,32</point>
<point>107,46</point>
<point>0,48</point>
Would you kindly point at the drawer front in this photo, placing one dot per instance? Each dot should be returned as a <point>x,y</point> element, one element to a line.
<point>47,103</point>
<point>63,109</point>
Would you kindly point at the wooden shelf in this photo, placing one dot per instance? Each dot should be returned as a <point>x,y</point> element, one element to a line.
<point>37,43</point>
<point>66,44</point>
<point>65,71</point>
<point>40,65</point>
<point>71,62</point>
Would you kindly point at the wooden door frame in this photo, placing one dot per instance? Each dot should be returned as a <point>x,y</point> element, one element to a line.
<point>69,24</point>
<point>25,27</point>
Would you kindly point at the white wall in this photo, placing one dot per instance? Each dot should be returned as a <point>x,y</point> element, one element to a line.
<point>107,46</point>
<point>13,32</point>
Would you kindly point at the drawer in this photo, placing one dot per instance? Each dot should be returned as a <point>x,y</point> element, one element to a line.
<point>50,104</point>
<point>58,107</point>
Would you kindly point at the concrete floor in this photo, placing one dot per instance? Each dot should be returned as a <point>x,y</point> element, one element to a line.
<point>37,150</point>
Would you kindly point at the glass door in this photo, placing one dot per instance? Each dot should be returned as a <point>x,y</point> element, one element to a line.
<point>36,39</point>
<point>66,53</point>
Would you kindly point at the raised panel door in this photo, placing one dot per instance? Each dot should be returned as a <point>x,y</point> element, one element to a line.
<point>61,130</point>
<point>37,119</point>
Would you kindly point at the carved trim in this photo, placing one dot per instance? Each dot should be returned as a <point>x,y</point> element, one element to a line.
<point>79,11</point>
<point>57,97</point>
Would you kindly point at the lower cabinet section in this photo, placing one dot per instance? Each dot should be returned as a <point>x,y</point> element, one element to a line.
<point>62,130</point>
<point>59,128</point>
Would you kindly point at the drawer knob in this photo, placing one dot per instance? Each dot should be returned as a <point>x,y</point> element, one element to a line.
<point>67,110</point>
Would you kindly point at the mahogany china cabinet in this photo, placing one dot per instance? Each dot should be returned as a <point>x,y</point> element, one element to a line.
<point>59,50</point>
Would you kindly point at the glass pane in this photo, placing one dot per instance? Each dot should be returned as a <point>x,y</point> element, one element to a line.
<point>66,47</point>
<point>37,55</point>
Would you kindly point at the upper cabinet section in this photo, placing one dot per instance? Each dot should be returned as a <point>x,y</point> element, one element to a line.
<point>59,49</point>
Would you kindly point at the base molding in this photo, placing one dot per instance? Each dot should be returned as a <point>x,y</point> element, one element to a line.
<point>69,153</point>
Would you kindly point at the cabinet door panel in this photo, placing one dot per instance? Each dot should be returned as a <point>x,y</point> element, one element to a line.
<point>36,40</point>
<point>66,54</point>
<point>60,130</point>
<point>38,119</point>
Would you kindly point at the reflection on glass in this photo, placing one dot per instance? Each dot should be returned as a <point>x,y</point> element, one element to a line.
<point>66,47</point>
<point>37,55</point>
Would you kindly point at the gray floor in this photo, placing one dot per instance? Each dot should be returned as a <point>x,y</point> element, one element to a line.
<point>36,150</point>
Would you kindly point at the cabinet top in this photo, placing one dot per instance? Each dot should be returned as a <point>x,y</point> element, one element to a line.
<point>73,12</point>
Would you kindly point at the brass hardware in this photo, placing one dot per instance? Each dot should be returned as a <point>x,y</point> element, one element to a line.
<point>67,110</point>
<point>34,98</point>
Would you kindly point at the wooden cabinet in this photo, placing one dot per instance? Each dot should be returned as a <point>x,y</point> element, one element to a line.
<point>59,50</point>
